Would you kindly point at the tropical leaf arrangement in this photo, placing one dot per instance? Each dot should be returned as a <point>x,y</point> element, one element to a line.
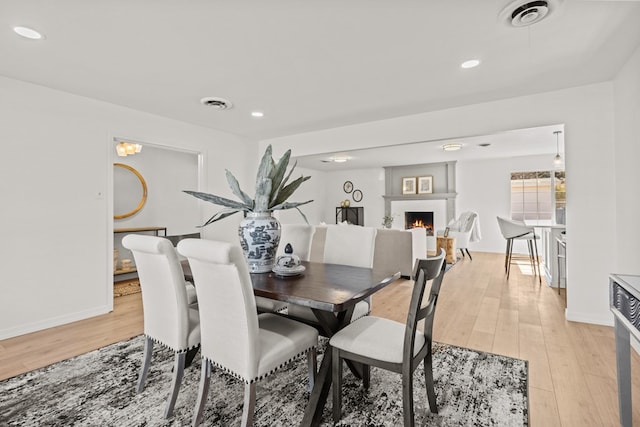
<point>272,190</point>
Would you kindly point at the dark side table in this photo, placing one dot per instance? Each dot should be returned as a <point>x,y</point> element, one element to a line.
<point>624,300</point>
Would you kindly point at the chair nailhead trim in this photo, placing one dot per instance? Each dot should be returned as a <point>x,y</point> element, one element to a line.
<point>256,379</point>
<point>157,341</point>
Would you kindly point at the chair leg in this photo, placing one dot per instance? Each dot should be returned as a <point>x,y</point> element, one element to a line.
<point>506,256</point>
<point>535,245</point>
<point>178,372</point>
<point>366,376</point>
<point>462,252</point>
<point>249,406</point>
<point>337,385</point>
<point>312,367</point>
<point>191,354</point>
<point>468,254</point>
<point>205,377</point>
<point>530,248</point>
<point>146,361</point>
<point>510,254</point>
<point>428,381</point>
<point>407,395</point>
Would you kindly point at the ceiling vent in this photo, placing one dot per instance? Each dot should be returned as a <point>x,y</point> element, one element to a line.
<point>217,103</point>
<point>522,13</point>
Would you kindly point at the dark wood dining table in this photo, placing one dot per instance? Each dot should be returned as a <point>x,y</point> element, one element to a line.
<point>331,291</point>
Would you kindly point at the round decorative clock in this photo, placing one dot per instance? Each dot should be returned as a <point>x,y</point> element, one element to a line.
<point>347,187</point>
<point>357,195</point>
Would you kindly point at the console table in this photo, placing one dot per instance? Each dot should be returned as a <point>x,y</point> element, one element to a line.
<point>130,272</point>
<point>353,215</point>
<point>624,301</point>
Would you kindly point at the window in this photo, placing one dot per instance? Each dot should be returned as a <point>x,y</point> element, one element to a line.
<point>538,196</point>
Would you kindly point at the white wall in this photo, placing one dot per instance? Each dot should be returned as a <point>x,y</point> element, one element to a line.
<point>55,186</point>
<point>587,113</point>
<point>312,189</point>
<point>326,190</point>
<point>167,173</point>
<point>627,170</point>
<point>369,181</point>
<point>484,186</point>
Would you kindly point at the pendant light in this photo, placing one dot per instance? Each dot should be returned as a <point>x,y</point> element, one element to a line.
<point>557,160</point>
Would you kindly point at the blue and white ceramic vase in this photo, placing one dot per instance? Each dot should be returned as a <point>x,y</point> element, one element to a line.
<point>259,237</point>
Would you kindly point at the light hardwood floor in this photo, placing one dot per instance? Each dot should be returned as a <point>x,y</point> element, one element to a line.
<point>572,370</point>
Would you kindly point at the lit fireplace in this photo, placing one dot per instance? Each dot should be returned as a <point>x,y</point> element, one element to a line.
<point>419,220</point>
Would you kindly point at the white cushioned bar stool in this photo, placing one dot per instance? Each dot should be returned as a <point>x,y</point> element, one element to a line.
<point>235,338</point>
<point>169,317</point>
<point>517,230</point>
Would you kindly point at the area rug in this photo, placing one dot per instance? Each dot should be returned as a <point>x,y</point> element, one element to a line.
<point>126,287</point>
<point>97,389</point>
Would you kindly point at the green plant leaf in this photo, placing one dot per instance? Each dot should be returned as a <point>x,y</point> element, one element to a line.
<point>265,168</point>
<point>263,190</point>
<point>277,175</point>
<point>235,188</point>
<point>217,200</point>
<point>289,205</point>
<point>220,215</point>
<point>288,190</point>
<point>303,215</point>
<point>272,190</point>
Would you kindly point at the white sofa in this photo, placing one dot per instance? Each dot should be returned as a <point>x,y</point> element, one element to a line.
<point>394,249</point>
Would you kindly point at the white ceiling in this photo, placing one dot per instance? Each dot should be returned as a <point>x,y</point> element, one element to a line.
<point>521,142</point>
<point>310,64</point>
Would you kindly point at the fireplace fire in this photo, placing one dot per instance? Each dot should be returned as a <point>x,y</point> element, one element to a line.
<point>419,220</point>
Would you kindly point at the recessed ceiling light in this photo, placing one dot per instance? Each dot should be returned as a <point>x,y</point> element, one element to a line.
<point>470,63</point>
<point>28,33</point>
<point>451,147</point>
<point>336,159</point>
<point>257,114</point>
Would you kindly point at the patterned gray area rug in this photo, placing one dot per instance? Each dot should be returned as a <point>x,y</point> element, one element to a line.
<point>97,389</point>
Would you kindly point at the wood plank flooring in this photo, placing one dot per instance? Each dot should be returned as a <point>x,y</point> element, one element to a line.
<point>572,376</point>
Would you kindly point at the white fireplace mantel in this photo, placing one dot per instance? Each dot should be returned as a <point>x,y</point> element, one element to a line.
<point>448,197</point>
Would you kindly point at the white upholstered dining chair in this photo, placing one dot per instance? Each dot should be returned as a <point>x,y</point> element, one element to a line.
<point>391,345</point>
<point>235,338</point>
<point>351,245</point>
<point>299,237</point>
<point>169,319</point>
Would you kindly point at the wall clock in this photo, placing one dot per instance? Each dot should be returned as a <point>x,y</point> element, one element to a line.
<point>347,187</point>
<point>357,195</point>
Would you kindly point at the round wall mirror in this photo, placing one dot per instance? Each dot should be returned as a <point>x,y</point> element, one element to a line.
<point>130,191</point>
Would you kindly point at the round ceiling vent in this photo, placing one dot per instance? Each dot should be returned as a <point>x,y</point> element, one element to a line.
<point>522,13</point>
<point>217,103</point>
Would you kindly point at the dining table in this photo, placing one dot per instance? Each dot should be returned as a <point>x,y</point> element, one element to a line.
<point>331,291</point>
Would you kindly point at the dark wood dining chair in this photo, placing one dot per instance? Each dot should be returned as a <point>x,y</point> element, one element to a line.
<point>391,345</point>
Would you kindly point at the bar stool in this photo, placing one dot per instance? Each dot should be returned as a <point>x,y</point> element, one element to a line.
<point>517,230</point>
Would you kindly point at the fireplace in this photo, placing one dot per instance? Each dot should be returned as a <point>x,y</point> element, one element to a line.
<point>419,220</point>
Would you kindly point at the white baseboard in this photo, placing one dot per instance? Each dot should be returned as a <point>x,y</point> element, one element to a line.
<point>52,322</point>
